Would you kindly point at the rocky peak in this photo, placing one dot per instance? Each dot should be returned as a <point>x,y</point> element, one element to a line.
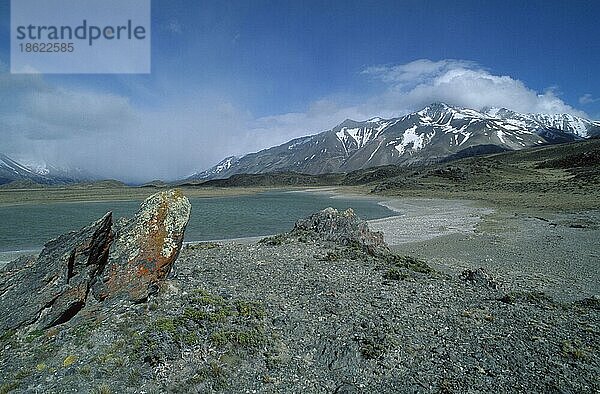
<point>348,123</point>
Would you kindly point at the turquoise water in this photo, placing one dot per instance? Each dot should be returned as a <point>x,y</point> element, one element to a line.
<point>28,227</point>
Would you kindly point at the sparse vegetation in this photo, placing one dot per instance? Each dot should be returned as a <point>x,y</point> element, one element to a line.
<point>69,360</point>
<point>395,274</point>
<point>574,350</point>
<point>255,310</point>
<point>102,389</point>
<point>249,338</point>
<point>409,263</point>
<point>6,336</point>
<point>203,246</point>
<point>534,297</point>
<point>374,342</point>
<point>275,240</point>
<point>6,388</point>
<point>165,324</point>
<point>32,335</point>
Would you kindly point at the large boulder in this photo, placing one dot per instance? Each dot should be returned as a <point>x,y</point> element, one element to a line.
<point>145,248</point>
<point>54,286</point>
<point>344,228</point>
<point>115,262</point>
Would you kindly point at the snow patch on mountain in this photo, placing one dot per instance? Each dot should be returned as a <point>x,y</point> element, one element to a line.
<point>357,137</point>
<point>298,142</point>
<point>214,171</point>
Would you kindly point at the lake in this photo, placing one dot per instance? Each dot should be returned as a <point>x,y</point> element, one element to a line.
<point>28,227</point>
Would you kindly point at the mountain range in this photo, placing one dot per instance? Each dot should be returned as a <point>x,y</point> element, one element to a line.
<point>12,170</point>
<point>436,133</point>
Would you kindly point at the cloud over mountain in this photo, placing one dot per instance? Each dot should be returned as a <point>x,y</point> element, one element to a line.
<point>464,83</point>
<point>109,135</point>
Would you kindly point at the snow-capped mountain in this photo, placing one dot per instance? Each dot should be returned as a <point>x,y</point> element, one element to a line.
<point>432,134</point>
<point>11,170</point>
<point>566,123</point>
<point>214,172</point>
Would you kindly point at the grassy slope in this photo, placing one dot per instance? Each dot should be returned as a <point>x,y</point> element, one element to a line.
<point>564,177</point>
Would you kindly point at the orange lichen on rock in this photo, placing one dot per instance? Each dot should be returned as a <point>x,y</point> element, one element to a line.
<point>125,261</point>
<point>146,247</point>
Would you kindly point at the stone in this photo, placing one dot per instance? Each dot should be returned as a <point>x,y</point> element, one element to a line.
<point>479,277</point>
<point>344,228</point>
<point>145,248</point>
<point>126,262</point>
<point>53,287</point>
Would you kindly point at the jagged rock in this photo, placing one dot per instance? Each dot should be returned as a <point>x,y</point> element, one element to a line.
<point>125,262</point>
<point>54,286</point>
<point>145,248</point>
<point>479,277</point>
<point>344,228</point>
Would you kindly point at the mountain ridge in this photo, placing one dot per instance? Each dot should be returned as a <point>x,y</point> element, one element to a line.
<point>12,170</point>
<point>433,134</point>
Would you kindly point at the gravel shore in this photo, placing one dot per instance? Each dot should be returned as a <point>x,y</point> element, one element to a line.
<point>554,253</point>
<point>421,219</point>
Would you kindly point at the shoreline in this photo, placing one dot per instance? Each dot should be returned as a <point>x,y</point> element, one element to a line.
<point>390,225</point>
<point>423,219</point>
<point>49,195</point>
<point>418,218</point>
<point>551,251</point>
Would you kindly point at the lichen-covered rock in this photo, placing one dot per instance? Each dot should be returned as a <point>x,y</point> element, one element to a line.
<point>127,262</point>
<point>344,228</point>
<point>145,248</point>
<point>53,287</point>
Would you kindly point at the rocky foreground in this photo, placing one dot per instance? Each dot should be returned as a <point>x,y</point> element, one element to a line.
<point>122,308</point>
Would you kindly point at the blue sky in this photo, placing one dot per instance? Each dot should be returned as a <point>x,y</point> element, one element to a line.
<point>229,77</point>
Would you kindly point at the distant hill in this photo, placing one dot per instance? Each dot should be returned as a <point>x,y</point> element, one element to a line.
<point>22,184</point>
<point>276,179</point>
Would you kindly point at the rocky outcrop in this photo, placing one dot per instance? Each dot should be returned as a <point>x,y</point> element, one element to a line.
<point>345,228</point>
<point>145,248</point>
<point>126,262</point>
<point>479,277</point>
<point>54,286</point>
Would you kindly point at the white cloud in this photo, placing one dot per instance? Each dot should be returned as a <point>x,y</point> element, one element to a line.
<point>321,115</point>
<point>463,83</point>
<point>417,71</point>
<point>61,112</point>
<point>39,111</point>
<point>106,134</point>
<point>588,99</point>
